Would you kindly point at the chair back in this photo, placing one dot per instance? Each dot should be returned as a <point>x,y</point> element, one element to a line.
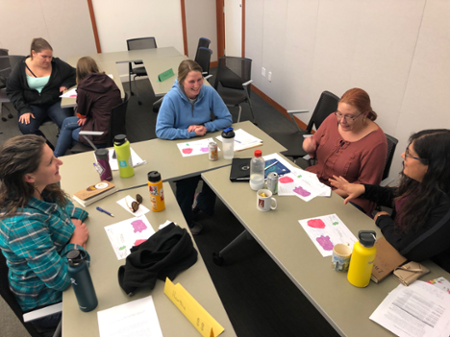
<point>392,144</point>
<point>7,64</point>
<point>117,121</point>
<point>3,52</point>
<point>141,43</point>
<point>202,42</point>
<point>203,58</point>
<point>232,72</point>
<point>9,298</point>
<point>326,105</point>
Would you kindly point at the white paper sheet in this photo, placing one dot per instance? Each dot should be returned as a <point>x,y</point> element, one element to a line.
<point>133,319</point>
<point>243,140</point>
<point>419,310</point>
<point>135,159</point>
<point>326,231</point>
<point>71,93</point>
<point>195,147</point>
<point>128,233</point>
<point>127,201</point>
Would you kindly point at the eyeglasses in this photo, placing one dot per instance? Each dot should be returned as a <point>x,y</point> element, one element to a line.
<point>348,119</point>
<point>408,155</point>
<point>135,204</point>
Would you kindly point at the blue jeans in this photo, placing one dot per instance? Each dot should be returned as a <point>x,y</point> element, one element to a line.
<point>68,136</point>
<point>41,113</point>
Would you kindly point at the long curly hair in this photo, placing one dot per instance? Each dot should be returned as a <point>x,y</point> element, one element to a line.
<point>433,149</point>
<point>19,156</point>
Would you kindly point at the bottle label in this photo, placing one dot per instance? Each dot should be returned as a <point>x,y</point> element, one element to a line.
<point>162,194</point>
<point>122,163</point>
<point>153,189</point>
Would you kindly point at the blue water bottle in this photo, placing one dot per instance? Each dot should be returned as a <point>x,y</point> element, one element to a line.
<point>81,280</point>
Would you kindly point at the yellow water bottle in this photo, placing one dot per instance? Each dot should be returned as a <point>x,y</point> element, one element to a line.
<point>123,154</point>
<point>361,263</point>
<point>155,187</point>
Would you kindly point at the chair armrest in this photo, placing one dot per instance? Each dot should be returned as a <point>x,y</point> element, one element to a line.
<point>207,77</point>
<point>39,313</point>
<point>307,135</point>
<point>386,181</point>
<point>291,112</point>
<point>247,83</point>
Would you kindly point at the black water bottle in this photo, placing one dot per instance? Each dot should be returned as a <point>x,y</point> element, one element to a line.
<point>81,280</point>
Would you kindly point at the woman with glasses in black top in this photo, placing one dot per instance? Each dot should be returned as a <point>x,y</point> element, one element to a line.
<point>419,226</point>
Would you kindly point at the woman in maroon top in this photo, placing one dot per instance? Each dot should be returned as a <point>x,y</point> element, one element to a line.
<point>349,144</point>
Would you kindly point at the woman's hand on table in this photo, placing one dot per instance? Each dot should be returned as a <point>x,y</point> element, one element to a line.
<point>62,89</point>
<point>352,190</point>
<point>80,235</point>
<point>25,118</point>
<point>200,130</point>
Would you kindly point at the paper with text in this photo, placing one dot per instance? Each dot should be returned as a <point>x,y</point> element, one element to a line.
<point>133,319</point>
<point>243,140</point>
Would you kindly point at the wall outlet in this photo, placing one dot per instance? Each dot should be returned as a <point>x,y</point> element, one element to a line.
<point>269,77</point>
<point>263,71</point>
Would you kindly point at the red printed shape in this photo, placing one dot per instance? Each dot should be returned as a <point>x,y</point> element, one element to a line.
<point>187,151</point>
<point>286,180</point>
<point>316,223</point>
<point>138,242</point>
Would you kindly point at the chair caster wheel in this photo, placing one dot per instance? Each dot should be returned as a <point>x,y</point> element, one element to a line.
<point>4,119</point>
<point>139,103</point>
<point>132,93</point>
<point>218,260</point>
<point>10,116</point>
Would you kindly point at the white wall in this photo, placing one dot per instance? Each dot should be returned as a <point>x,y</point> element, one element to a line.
<point>233,28</point>
<point>65,24</point>
<point>201,22</point>
<point>398,51</point>
<point>119,20</point>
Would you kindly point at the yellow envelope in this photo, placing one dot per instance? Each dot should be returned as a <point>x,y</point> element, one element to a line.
<point>193,311</point>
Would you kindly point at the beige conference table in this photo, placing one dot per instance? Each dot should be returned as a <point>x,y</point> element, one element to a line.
<point>162,156</point>
<point>104,268</point>
<point>347,308</point>
<point>156,61</point>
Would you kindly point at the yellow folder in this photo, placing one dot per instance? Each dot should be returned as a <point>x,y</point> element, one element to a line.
<point>193,311</point>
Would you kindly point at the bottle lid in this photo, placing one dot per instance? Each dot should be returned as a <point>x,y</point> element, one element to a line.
<point>154,176</point>
<point>367,238</point>
<point>101,153</point>
<point>120,139</point>
<point>228,133</point>
<point>258,153</point>
<point>74,257</point>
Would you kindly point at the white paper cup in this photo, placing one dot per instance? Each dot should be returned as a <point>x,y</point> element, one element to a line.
<point>341,257</point>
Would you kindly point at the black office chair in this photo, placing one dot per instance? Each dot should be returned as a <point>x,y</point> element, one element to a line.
<point>392,144</point>
<point>4,52</point>
<point>202,42</point>
<point>203,58</point>
<point>293,141</point>
<point>117,126</point>
<point>7,64</point>
<point>136,44</point>
<point>233,82</point>
<point>9,298</point>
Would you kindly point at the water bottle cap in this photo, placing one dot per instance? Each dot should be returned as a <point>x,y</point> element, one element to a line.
<point>120,139</point>
<point>75,257</point>
<point>101,153</point>
<point>228,133</point>
<point>367,238</point>
<point>154,176</point>
<point>258,153</point>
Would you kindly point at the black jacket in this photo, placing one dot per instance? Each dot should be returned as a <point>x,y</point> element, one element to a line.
<point>20,94</point>
<point>97,94</point>
<point>430,241</point>
<point>165,254</point>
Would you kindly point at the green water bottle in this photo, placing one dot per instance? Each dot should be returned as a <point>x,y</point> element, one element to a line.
<point>123,153</point>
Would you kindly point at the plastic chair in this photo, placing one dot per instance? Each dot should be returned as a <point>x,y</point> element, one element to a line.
<point>293,141</point>
<point>117,126</point>
<point>233,82</point>
<point>7,64</point>
<point>9,298</point>
<point>202,42</point>
<point>137,44</point>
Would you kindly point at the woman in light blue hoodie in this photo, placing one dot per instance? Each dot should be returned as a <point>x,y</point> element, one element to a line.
<point>186,113</point>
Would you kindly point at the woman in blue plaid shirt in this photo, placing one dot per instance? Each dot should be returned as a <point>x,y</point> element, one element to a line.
<point>39,225</point>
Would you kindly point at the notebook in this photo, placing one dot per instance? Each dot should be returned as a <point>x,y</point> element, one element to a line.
<point>240,169</point>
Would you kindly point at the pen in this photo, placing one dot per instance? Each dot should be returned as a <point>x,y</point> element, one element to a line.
<point>270,165</point>
<point>102,210</point>
<point>237,141</point>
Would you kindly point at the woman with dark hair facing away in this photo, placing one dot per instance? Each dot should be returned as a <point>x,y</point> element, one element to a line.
<point>186,113</point>
<point>39,225</point>
<point>97,94</point>
<point>419,226</point>
<point>349,144</point>
<point>35,85</point>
